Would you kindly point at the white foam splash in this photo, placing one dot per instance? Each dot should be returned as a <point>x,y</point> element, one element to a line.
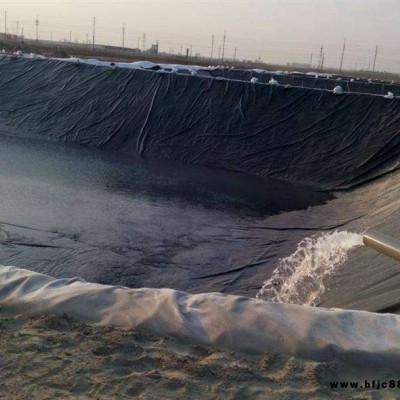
<point>299,278</point>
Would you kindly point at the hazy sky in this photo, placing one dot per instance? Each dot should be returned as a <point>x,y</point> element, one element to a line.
<point>277,31</point>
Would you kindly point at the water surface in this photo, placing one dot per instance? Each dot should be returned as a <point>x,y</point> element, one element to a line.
<point>67,210</point>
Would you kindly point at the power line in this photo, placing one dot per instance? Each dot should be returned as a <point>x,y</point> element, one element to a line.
<point>330,55</point>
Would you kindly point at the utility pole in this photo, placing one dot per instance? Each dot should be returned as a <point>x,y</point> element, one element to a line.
<point>321,52</point>
<point>94,33</point>
<point>191,48</point>
<point>70,36</point>
<point>123,38</point>
<point>341,60</point>
<point>17,28</point>
<point>234,54</point>
<point>223,46</point>
<point>37,28</point>
<point>212,46</point>
<point>376,55</point>
<point>311,56</point>
<point>138,42</point>
<point>144,42</point>
<point>5,22</point>
<point>323,59</point>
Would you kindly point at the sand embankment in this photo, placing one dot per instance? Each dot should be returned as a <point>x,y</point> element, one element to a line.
<point>46,357</point>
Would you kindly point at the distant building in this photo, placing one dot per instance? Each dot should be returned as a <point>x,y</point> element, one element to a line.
<point>153,49</point>
<point>298,65</point>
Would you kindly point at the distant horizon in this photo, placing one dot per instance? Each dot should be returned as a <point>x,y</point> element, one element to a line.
<point>270,31</point>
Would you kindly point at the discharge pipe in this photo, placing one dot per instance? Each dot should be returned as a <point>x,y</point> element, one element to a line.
<point>383,244</point>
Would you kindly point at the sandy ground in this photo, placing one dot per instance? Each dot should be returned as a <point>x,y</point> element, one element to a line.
<point>55,357</point>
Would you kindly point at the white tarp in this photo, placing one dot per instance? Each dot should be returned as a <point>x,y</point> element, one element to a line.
<point>355,337</point>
